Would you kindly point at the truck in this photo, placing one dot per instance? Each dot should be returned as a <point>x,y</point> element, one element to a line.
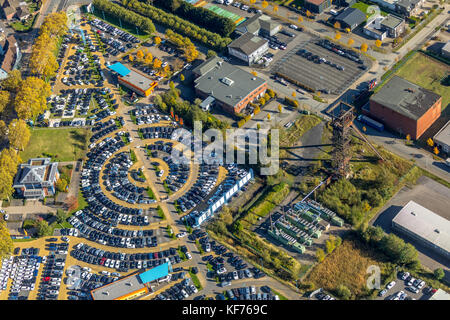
<point>370,122</point>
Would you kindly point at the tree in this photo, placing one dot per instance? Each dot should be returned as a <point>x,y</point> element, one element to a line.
<point>275,8</point>
<point>18,134</point>
<point>378,43</point>
<point>347,30</point>
<point>61,185</point>
<point>148,58</point>
<point>439,273</point>
<point>182,77</point>
<point>61,216</point>
<point>350,41</point>
<point>308,13</point>
<point>337,25</point>
<point>157,63</point>
<point>131,58</point>
<point>430,142</point>
<point>268,116</point>
<point>280,108</point>
<point>364,47</point>
<point>408,137</point>
<point>254,73</point>
<point>330,244</point>
<point>343,292</point>
<point>140,54</point>
<point>264,4</point>
<point>210,53</point>
<point>43,229</point>
<point>3,130</point>
<point>300,19</point>
<point>5,99</point>
<point>337,36</point>
<point>436,150</point>
<point>6,243</point>
<point>157,40</point>
<point>12,82</point>
<point>31,98</point>
<point>320,255</point>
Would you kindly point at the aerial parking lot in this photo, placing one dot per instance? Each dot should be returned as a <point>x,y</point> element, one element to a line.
<point>321,66</point>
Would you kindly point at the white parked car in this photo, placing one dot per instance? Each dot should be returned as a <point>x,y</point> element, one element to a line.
<point>188,255</point>
<point>181,235</point>
<point>293,26</point>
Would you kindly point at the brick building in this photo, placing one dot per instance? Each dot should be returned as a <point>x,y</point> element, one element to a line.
<point>405,107</point>
<point>231,87</point>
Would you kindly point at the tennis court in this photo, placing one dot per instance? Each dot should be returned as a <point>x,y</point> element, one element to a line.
<point>237,19</point>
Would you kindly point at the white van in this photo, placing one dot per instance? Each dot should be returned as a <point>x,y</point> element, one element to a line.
<point>333,12</point>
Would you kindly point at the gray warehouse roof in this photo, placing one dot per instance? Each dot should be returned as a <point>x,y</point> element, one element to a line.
<point>424,223</point>
<point>138,80</point>
<point>226,83</point>
<point>391,21</point>
<point>118,288</point>
<point>247,43</point>
<point>440,295</point>
<point>405,97</point>
<point>250,25</point>
<point>443,136</point>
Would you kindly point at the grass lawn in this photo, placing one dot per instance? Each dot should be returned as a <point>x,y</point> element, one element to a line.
<point>428,73</point>
<point>279,295</point>
<point>363,7</point>
<point>61,144</point>
<point>195,280</point>
<point>347,265</point>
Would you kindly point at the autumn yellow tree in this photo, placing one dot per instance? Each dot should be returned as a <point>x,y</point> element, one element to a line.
<point>350,41</point>
<point>347,30</point>
<point>18,134</point>
<point>280,108</point>
<point>268,116</point>
<point>337,36</point>
<point>364,47</point>
<point>131,58</point>
<point>139,54</point>
<point>254,73</point>
<point>378,43</point>
<point>157,40</point>
<point>300,19</point>
<point>294,93</point>
<point>436,150</point>
<point>5,99</point>
<point>190,53</point>
<point>13,81</point>
<point>264,4</point>
<point>430,142</point>
<point>148,58</point>
<point>181,77</point>
<point>157,63</point>
<point>337,25</point>
<point>31,99</point>
<point>275,8</point>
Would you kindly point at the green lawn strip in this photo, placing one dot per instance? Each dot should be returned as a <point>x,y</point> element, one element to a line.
<point>279,295</point>
<point>150,193</point>
<point>182,254</point>
<point>195,280</point>
<point>160,212</point>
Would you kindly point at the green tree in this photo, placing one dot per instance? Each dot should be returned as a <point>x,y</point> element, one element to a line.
<point>61,216</point>
<point>210,53</point>
<point>343,292</point>
<point>330,244</point>
<point>439,273</point>
<point>320,255</point>
<point>42,227</point>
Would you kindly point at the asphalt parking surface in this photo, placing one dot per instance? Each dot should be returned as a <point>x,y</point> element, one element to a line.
<point>318,76</point>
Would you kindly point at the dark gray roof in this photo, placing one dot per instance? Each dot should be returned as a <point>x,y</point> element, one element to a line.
<point>391,21</point>
<point>405,97</point>
<point>268,24</point>
<point>351,16</point>
<point>118,288</point>
<point>207,65</point>
<point>247,43</point>
<point>250,25</point>
<point>227,83</point>
<point>410,4</point>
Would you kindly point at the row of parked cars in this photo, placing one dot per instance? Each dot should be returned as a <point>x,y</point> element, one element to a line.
<point>250,293</point>
<point>90,281</point>
<point>206,181</point>
<point>116,32</point>
<point>178,291</point>
<point>52,274</point>
<point>156,132</point>
<point>124,261</point>
<point>317,59</point>
<point>178,173</point>
<point>347,53</point>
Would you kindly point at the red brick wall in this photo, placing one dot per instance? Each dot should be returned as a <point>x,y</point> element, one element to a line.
<point>402,124</point>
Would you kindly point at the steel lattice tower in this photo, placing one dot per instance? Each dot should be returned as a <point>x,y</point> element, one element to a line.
<point>341,123</point>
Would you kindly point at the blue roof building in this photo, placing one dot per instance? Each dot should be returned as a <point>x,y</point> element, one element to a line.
<point>158,272</point>
<point>120,69</point>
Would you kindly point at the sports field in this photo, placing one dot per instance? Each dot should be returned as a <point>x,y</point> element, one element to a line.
<point>237,19</point>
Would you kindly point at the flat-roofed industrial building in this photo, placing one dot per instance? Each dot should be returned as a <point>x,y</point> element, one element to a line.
<point>133,80</point>
<point>425,226</point>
